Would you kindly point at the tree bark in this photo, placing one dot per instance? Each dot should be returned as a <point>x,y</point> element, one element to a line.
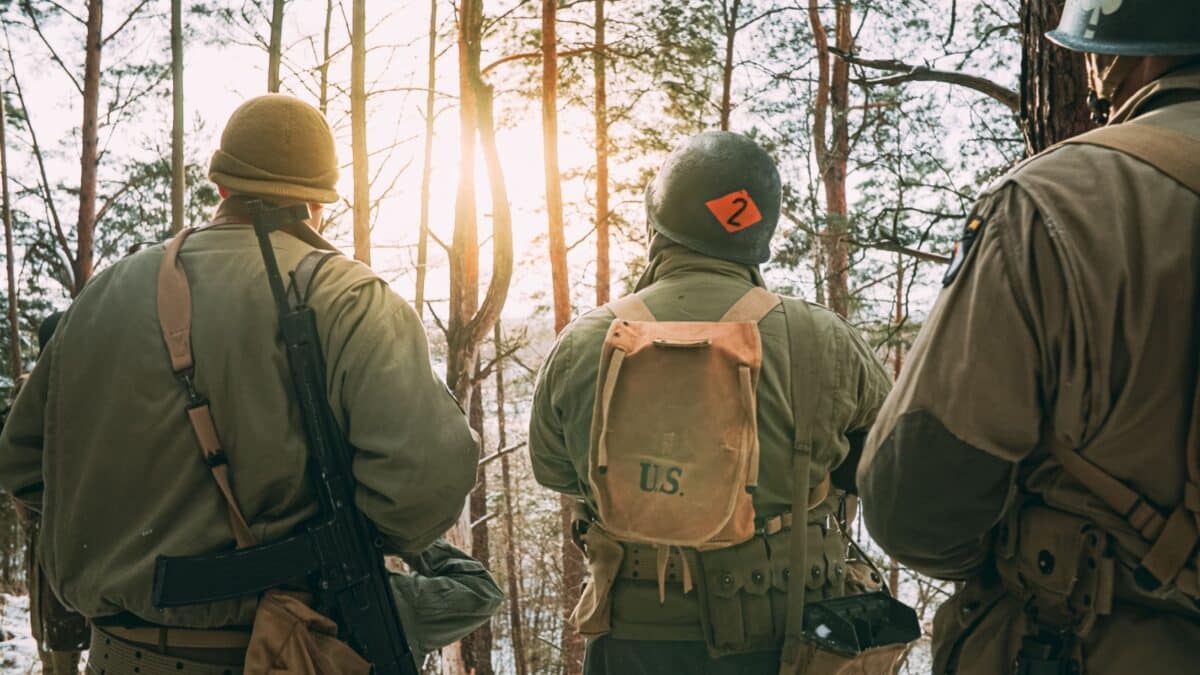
<point>573,568</point>
<point>358,133</point>
<point>16,364</point>
<point>427,166</point>
<point>1054,88</point>
<point>512,552</point>
<point>89,155</point>
<point>731,30</point>
<point>178,178</point>
<point>477,647</point>
<point>832,147</point>
<point>275,46</point>
<point>599,65</point>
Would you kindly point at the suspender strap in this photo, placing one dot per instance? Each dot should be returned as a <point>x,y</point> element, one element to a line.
<point>753,306</point>
<point>175,320</point>
<point>801,333</point>
<point>1173,540</point>
<point>631,308</point>
<point>1172,152</point>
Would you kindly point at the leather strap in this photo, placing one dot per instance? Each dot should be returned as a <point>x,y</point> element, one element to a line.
<point>753,306</point>
<point>802,334</point>
<point>631,308</point>
<point>1172,152</point>
<point>187,638</point>
<point>175,321</point>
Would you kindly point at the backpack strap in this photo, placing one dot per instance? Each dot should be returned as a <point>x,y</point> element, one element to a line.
<point>631,308</point>
<point>802,335</point>
<point>752,307</point>
<point>1172,152</point>
<point>175,321</point>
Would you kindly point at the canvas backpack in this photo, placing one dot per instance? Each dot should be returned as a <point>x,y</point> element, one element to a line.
<point>673,457</point>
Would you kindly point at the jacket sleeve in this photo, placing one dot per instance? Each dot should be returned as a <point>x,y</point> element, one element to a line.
<point>448,595</point>
<point>552,465</point>
<point>940,464</point>
<point>865,383</point>
<point>415,455</point>
<point>22,437</point>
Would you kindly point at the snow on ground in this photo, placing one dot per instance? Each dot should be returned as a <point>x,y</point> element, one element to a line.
<point>18,650</point>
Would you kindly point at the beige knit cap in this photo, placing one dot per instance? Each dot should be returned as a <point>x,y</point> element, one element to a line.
<point>277,146</point>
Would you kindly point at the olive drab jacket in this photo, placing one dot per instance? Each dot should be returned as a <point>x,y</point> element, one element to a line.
<point>682,285</point>
<point>100,436</point>
<point>1072,318</point>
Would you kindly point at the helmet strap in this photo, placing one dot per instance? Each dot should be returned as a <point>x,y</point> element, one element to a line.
<point>1104,80</point>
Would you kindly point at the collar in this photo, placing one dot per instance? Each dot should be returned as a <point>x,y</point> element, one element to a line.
<point>234,211</point>
<point>675,260</point>
<point>1184,81</point>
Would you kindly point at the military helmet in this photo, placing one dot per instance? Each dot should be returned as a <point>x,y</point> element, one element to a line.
<point>1130,27</point>
<point>718,193</point>
<point>277,146</point>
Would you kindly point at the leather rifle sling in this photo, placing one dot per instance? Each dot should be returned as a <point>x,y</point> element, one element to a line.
<point>1174,540</point>
<point>801,335</point>
<point>175,320</point>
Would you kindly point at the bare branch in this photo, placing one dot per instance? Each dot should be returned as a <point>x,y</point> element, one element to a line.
<point>535,55</point>
<point>37,29</point>
<point>501,453</point>
<point>921,73</point>
<point>129,17</point>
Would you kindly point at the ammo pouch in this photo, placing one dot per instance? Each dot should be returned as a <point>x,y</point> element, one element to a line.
<point>743,589</point>
<point>1061,566</point>
<point>291,637</point>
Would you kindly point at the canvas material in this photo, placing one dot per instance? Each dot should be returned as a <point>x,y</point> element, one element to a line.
<point>291,637</point>
<point>671,469</point>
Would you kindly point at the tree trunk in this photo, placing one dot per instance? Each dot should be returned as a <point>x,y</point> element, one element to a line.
<point>427,166</point>
<point>512,552</point>
<point>1054,87</point>
<point>275,46</point>
<point>178,178</point>
<point>599,65</point>
<point>731,30</point>
<point>573,569</point>
<point>323,70</point>
<point>16,364</point>
<point>89,155</point>
<point>832,107</point>
<point>469,322</point>
<point>358,133</point>
<point>477,647</point>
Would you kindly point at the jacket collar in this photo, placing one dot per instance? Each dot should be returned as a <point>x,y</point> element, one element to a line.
<point>1179,83</point>
<point>675,260</point>
<point>235,211</point>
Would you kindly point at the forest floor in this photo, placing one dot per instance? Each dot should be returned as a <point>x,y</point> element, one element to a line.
<point>18,651</point>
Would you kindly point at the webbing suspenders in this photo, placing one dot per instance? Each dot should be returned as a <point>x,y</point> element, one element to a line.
<point>1173,557</point>
<point>1172,152</point>
<point>175,320</point>
<point>801,335</point>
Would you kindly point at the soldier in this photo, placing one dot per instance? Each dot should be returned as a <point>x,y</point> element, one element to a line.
<point>668,432</point>
<point>60,633</point>
<point>1043,443</point>
<point>98,438</point>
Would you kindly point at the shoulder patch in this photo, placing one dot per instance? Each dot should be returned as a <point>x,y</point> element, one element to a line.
<point>970,233</point>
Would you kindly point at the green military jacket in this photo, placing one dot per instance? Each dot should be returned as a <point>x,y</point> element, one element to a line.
<point>1073,317</point>
<point>100,429</point>
<point>681,285</point>
<point>446,597</point>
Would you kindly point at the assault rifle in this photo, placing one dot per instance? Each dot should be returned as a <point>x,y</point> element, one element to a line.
<point>340,554</point>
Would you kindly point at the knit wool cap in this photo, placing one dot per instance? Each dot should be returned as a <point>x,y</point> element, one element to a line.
<point>277,146</point>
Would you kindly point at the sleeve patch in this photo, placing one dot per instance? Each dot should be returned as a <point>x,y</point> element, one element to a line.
<point>963,247</point>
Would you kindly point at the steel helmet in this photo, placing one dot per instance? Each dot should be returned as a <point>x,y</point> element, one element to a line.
<point>719,194</point>
<point>1130,27</point>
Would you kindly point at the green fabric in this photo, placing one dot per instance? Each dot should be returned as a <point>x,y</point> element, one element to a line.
<point>102,423</point>
<point>448,596</point>
<point>682,285</point>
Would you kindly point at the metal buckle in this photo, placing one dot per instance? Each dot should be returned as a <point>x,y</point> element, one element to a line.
<point>195,398</point>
